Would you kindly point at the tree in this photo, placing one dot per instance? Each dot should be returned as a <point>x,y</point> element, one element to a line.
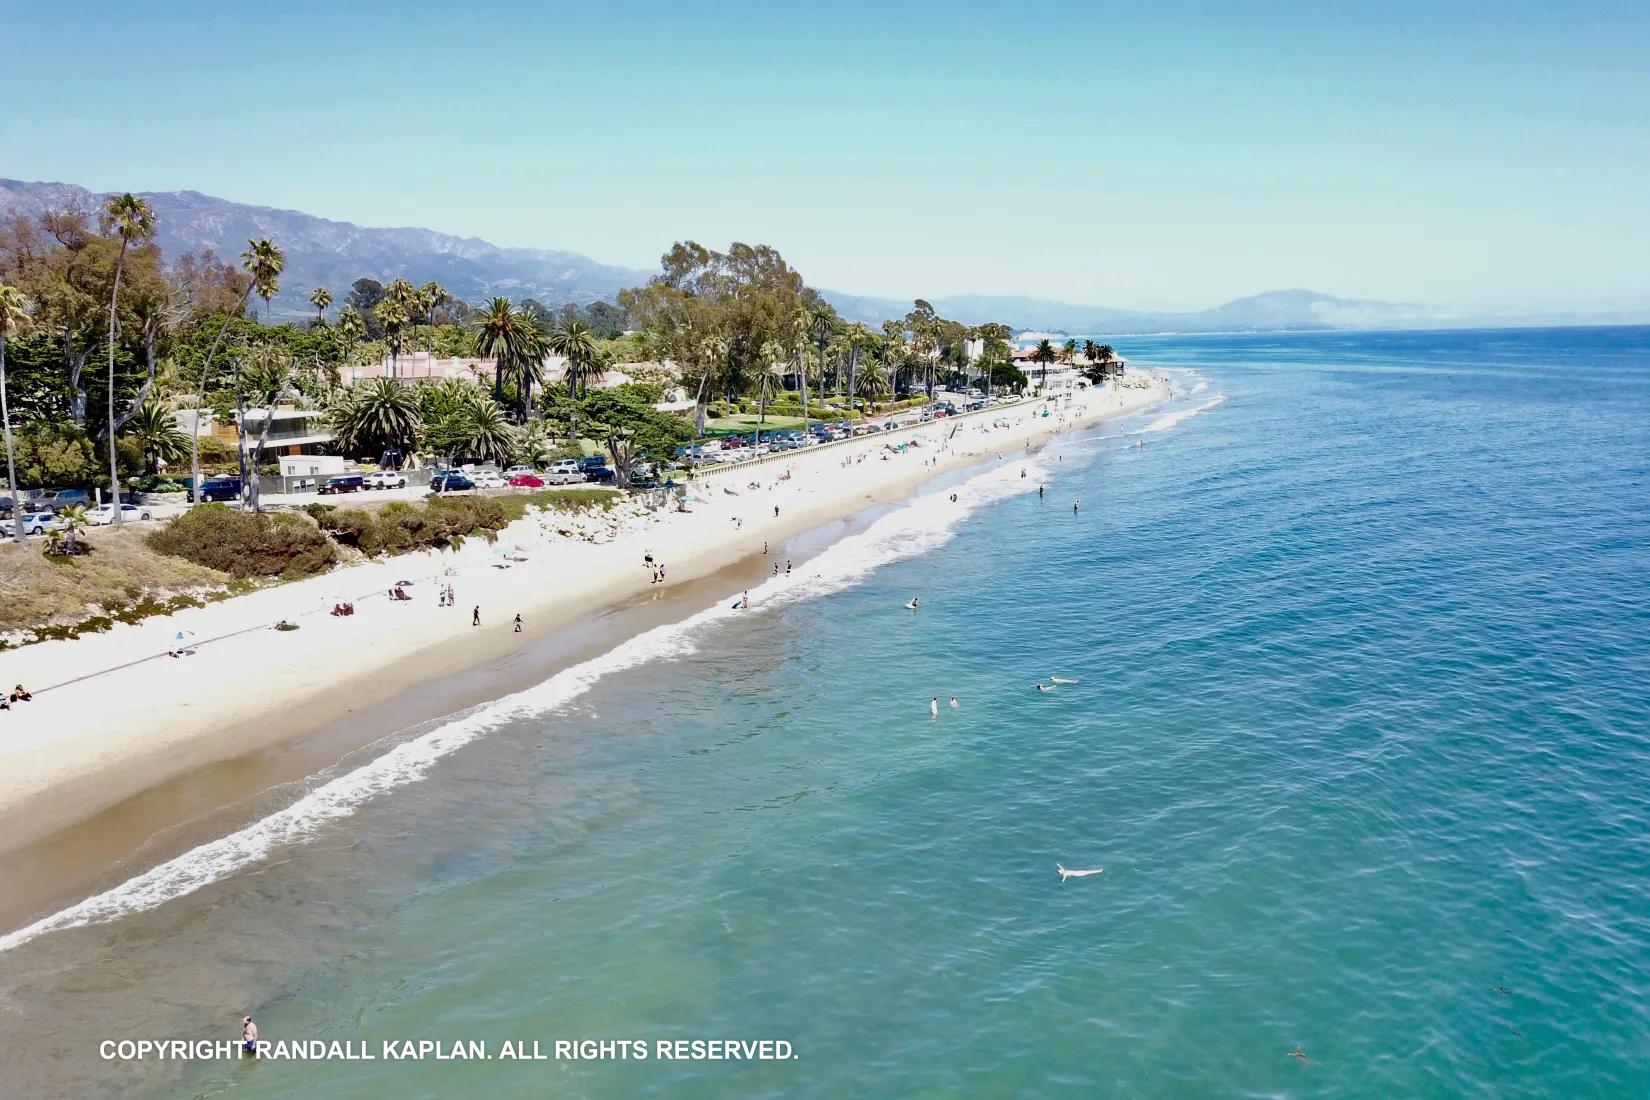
<point>133,220</point>
<point>351,328</point>
<point>488,434</point>
<point>364,296</point>
<point>320,298</point>
<point>1068,352</point>
<point>14,318</point>
<point>392,318</point>
<point>156,431</point>
<point>431,297</point>
<point>724,318</point>
<point>873,382</point>
<point>505,335</point>
<point>376,416</point>
<point>858,336</point>
<point>631,429</point>
<point>577,343</point>
<point>1008,377</point>
<point>263,262</point>
<point>265,374</point>
<point>1044,354</point>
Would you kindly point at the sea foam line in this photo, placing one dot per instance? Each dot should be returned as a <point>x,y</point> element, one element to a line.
<point>923,524</point>
<point>1169,420</point>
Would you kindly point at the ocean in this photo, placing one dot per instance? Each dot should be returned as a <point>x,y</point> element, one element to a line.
<point>1360,737</point>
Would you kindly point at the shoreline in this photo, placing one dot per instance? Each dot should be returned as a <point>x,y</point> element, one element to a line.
<point>89,782</point>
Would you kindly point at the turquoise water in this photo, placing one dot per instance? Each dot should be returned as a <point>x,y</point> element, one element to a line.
<point>1362,737</point>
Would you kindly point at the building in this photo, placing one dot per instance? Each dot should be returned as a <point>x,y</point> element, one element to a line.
<point>416,366</point>
<point>291,432</point>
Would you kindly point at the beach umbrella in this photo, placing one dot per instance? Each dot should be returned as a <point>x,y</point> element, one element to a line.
<point>404,584</point>
<point>182,634</point>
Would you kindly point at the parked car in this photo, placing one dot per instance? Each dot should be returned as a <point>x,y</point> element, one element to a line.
<point>527,481</point>
<point>600,474</point>
<point>450,481</point>
<point>105,513</point>
<point>564,471</point>
<point>386,479</point>
<point>590,461</point>
<point>343,483</point>
<point>517,471</point>
<point>64,498</point>
<point>33,523</point>
<point>488,479</point>
<point>221,488</point>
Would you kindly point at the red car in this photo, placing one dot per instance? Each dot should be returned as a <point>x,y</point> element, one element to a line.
<point>527,481</point>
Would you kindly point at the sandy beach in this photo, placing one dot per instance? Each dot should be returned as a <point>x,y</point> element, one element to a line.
<point>115,716</point>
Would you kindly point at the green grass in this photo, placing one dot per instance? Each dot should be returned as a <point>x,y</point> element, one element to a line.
<point>749,422</point>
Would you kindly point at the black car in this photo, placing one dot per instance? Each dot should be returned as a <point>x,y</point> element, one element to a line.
<point>450,483</point>
<point>601,474</point>
<point>343,483</point>
<point>221,488</point>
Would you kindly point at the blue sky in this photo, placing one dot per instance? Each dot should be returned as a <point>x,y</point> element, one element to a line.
<point>1470,155</point>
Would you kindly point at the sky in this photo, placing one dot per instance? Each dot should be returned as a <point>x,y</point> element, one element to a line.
<point>1473,156</point>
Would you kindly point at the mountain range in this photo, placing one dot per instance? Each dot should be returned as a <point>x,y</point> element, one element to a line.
<point>321,252</point>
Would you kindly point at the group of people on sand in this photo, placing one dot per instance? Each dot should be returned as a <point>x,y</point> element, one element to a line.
<point>343,609</point>
<point>19,694</point>
<point>655,569</point>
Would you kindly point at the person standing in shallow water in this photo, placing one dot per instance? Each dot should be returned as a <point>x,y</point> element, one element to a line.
<point>249,1035</point>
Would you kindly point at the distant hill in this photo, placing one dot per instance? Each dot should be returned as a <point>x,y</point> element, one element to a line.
<point>333,254</point>
<point>1274,311</point>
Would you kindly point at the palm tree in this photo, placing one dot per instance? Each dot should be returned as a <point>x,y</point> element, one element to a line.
<point>157,433</point>
<point>1044,354</point>
<point>320,298</point>
<point>1106,355</point>
<point>504,335</point>
<point>858,337</point>
<point>1068,352</point>
<point>14,317</point>
<point>489,435</point>
<point>873,382</point>
<point>132,218</point>
<point>404,295</point>
<point>1091,351</point>
<point>263,262</point>
<point>392,318</point>
<point>577,343</point>
<point>351,328</point>
<point>431,297</point>
<point>376,416</point>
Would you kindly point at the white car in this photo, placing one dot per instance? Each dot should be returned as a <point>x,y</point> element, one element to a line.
<point>386,479</point>
<point>564,471</point>
<point>34,523</point>
<point>105,514</point>
<point>518,471</point>
<point>489,479</point>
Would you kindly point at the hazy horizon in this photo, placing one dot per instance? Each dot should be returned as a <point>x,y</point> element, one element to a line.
<point>1169,161</point>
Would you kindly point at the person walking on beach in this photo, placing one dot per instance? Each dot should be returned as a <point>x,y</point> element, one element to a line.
<point>776,569</point>
<point>787,567</point>
<point>475,616</point>
<point>776,511</point>
<point>249,1035</point>
<point>518,622</point>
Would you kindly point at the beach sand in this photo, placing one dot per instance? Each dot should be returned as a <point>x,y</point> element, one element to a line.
<point>114,718</point>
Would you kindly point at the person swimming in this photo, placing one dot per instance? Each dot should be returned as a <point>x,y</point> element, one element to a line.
<point>934,707</point>
<point>953,703</point>
<point>912,605</point>
<point>1044,687</point>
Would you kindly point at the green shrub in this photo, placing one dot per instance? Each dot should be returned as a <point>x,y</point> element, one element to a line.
<point>246,544</point>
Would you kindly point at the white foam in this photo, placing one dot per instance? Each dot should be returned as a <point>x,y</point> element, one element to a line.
<point>1169,420</point>
<point>923,524</point>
